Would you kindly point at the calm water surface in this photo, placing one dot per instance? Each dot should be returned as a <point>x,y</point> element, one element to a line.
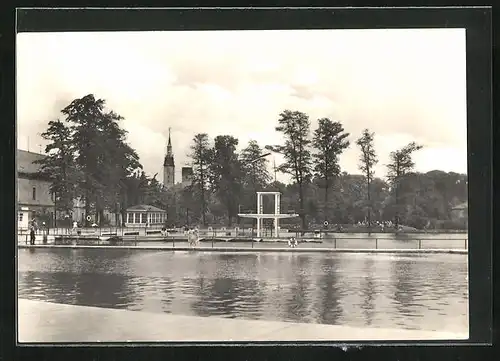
<point>428,292</point>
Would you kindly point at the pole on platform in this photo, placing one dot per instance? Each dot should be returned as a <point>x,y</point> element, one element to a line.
<point>276,212</point>
<point>258,212</point>
<point>376,243</point>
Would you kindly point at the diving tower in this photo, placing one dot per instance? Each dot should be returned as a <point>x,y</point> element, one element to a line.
<point>260,215</point>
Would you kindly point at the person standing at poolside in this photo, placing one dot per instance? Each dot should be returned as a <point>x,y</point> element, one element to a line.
<point>32,232</point>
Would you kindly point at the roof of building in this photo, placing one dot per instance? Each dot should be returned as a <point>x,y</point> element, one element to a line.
<point>144,208</point>
<point>25,161</point>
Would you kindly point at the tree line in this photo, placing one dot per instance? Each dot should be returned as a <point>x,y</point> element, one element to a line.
<point>88,158</point>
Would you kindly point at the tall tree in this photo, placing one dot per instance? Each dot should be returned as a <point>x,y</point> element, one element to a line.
<point>255,165</point>
<point>368,159</point>
<point>59,165</point>
<point>401,163</point>
<point>255,172</point>
<point>201,155</point>
<point>226,174</point>
<point>330,140</point>
<point>295,126</point>
<point>101,152</point>
<point>120,162</point>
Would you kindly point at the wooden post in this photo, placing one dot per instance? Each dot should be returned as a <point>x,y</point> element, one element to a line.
<point>335,242</point>
<point>419,244</point>
<point>466,243</point>
<point>376,243</point>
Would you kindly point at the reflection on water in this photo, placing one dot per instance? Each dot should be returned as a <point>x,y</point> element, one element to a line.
<point>427,292</point>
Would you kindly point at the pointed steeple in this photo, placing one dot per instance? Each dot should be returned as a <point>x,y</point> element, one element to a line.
<point>169,157</point>
<point>169,145</point>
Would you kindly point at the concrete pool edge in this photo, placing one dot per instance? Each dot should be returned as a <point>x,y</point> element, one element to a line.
<point>254,249</point>
<point>40,322</point>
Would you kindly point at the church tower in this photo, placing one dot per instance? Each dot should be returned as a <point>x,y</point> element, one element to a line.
<point>169,165</point>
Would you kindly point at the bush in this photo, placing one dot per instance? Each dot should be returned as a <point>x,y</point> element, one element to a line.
<point>418,222</point>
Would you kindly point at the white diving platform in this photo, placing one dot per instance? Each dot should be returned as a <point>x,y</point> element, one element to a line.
<point>260,215</point>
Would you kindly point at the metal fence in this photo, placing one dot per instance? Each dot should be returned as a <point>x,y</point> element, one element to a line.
<point>213,241</point>
<point>219,232</point>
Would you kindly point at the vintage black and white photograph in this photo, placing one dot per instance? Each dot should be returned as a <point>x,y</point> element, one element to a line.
<point>253,185</point>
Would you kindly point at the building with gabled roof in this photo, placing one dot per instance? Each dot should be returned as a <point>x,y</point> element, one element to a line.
<point>34,198</point>
<point>36,201</point>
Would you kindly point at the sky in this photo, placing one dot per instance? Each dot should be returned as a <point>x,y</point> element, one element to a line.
<point>403,84</point>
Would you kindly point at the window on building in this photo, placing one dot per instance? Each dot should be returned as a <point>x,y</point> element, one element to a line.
<point>143,217</point>
<point>34,193</point>
<point>21,215</point>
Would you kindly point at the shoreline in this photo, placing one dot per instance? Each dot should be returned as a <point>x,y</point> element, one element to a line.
<point>250,249</point>
<point>41,322</point>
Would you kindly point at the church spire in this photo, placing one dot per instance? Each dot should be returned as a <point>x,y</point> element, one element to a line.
<point>169,165</point>
<point>169,157</point>
<point>169,145</point>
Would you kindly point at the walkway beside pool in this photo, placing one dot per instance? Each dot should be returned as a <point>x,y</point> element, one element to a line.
<point>233,248</point>
<point>51,322</point>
